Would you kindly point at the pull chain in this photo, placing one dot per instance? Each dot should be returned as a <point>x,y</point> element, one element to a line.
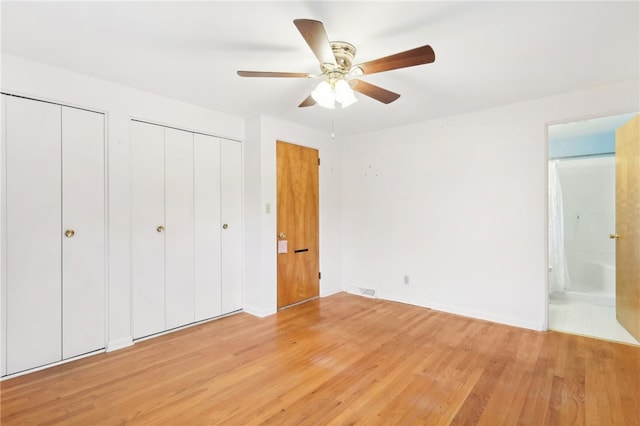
<point>333,125</point>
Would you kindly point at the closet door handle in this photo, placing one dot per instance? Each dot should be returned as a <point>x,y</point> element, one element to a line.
<point>69,233</point>
<point>614,236</point>
<point>160,228</point>
<point>225,226</point>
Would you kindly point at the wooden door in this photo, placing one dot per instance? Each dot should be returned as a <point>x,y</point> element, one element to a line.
<point>628,226</point>
<point>147,228</point>
<point>298,223</point>
<point>178,184</point>
<point>207,225</point>
<point>83,232</point>
<point>33,234</point>
<point>231,216</point>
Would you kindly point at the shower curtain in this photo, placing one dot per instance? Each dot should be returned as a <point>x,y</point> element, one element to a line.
<point>559,276</point>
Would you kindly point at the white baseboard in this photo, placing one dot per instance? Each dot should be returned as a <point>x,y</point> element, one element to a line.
<point>488,317</point>
<point>258,312</point>
<point>402,299</point>
<point>454,310</point>
<point>114,345</point>
<point>331,292</point>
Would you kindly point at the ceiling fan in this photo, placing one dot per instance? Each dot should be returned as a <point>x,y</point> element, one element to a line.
<point>340,77</point>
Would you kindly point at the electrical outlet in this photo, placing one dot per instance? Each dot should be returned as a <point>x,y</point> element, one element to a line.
<point>406,279</point>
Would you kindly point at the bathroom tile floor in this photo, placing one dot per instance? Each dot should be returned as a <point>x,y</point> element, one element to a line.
<point>588,320</point>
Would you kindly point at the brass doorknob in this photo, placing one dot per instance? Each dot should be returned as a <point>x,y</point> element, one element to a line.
<point>69,233</point>
<point>160,228</point>
<point>613,236</point>
<point>225,226</point>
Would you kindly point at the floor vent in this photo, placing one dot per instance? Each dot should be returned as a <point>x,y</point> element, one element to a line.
<point>367,292</point>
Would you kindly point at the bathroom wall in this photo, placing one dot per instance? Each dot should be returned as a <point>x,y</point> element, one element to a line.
<point>588,190</point>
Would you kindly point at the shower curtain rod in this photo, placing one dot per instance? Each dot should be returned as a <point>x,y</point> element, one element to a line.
<point>573,157</point>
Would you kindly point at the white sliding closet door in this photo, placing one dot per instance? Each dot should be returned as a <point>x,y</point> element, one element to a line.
<point>207,226</point>
<point>147,229</point>
<point>83,232</point>
<point>54,223</point>
<point>231,209</point>
<point>33,233</point>
<point>179,262</point>
<point>190,185</point>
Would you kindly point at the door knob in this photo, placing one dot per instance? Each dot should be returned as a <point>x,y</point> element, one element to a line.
<point>282,235</point>
<point>225,226</point>
<point>69,233</point>
<point>613,236</point>
<point>160,228</point>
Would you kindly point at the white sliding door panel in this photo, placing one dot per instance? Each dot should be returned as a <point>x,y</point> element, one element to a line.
<point>147,229</point>
<point>83,232</point>
<point>207,226</point>
<point>191,184</point>
<point>231,208</point>
<point>178,182</point>
<point>33,233</point>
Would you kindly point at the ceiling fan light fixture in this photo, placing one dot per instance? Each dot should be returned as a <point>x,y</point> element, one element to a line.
<point>344,94</point>
<point>331,90</point>
<point>324,96</point>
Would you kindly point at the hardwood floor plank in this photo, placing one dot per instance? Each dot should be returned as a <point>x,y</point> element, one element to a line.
<point>339,360</point>
<point>628,379</point>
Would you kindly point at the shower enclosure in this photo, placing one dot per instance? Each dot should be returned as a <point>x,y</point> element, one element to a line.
<point>585,188</point>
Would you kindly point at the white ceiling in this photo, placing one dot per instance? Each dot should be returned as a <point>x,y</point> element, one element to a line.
<point>487,53</point>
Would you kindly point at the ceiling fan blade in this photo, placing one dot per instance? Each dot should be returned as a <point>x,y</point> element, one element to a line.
<point>378,93</point>
<point>307,102</point>
<point>273,74</point>
<point>316,37</point>
<point>418,56</point>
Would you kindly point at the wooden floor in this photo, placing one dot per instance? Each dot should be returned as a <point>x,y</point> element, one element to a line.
<point>343,359</point>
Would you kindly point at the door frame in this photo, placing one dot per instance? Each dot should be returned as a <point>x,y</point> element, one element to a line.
<point>545,325</point>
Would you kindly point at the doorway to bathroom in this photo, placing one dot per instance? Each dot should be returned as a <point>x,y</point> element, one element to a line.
<point>581,217</point>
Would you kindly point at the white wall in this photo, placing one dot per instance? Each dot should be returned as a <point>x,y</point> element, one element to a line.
<point>459,205</point>
<point>589,199</point>
<point>24,77</point>
<point>260,189</point>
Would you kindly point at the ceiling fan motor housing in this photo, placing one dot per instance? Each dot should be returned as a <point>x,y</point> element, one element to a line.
<point>344,53</point>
